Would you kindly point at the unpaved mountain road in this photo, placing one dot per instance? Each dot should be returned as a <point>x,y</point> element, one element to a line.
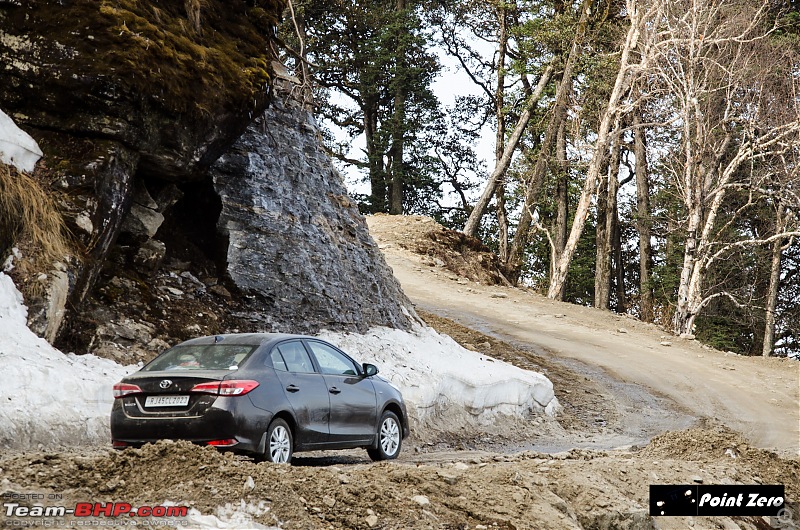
<point>754,396</point>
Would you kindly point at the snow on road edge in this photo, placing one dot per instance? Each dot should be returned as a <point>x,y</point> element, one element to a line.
<point>53,399</point>
<point>47,397</point>
<point>436,374</point>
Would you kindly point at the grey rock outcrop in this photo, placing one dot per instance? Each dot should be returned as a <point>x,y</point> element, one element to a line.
<point>144,218</point>
<point>296,241</point>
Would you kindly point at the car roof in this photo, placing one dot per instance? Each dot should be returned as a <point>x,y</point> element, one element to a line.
<point>249,339</point>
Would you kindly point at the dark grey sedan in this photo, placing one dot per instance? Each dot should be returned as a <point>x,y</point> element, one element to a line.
<point>266,394</point>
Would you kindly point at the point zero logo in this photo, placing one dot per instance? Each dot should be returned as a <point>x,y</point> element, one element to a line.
<point>715,500</point>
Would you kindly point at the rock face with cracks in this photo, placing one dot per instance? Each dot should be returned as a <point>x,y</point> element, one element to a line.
<point>294,237</point>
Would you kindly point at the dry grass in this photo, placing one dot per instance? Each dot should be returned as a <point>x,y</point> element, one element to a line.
<point>30,219</point>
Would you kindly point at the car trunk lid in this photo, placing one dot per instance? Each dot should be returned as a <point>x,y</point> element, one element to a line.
<point>169,393</point>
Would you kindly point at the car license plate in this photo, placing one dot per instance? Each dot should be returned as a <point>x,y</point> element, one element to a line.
<point>166,401</point>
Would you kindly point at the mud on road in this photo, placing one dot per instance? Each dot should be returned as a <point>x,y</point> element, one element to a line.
<point>444,490</point>
<point>652,380</point>
<point>597,411</point>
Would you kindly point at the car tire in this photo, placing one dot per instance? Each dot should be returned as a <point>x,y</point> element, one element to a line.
<point>390,438</point>
<point>279,444</point>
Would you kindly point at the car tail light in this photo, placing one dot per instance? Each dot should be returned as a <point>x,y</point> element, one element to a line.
<point>226,388</point>
<point>117,443</point>
<point>207,388</point>
<point>236,388</point>
<point>125,389</point>
<point>228,442</point>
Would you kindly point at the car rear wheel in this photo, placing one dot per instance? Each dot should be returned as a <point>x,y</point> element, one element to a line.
<point>279,442</point>
<point>389,438</point>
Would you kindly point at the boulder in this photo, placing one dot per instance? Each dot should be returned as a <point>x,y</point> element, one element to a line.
<point>295,240</point>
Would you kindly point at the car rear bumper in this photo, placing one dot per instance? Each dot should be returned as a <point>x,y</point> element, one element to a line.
<point>228,418</point>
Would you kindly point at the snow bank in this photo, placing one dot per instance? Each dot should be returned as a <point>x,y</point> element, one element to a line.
<point>45,396</point>
<point>438,377</point>
<point>17,148</point>
<point>51,398</point>
<point>231,516</point>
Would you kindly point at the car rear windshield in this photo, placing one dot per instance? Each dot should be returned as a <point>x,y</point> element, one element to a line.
<point>201,357</point>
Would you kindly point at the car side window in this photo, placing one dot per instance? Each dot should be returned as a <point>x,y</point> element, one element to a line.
<point>331,361</point>
<point>296,357</point>
<point>277,361</point>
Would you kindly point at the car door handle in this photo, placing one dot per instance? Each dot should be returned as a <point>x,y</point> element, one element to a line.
<point>334,390</point>
<point>293,388</point>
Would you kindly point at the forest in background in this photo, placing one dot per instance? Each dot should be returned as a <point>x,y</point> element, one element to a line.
<point>646,151</point>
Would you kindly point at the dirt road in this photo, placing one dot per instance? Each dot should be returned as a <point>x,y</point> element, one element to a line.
<point>578,489</point>
<point>754,396</point>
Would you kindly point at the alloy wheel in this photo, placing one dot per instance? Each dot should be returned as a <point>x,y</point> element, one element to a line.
<point>390,436</point>
<point>279,445</point>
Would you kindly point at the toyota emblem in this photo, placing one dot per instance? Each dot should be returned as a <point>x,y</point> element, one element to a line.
<point>165,383</point>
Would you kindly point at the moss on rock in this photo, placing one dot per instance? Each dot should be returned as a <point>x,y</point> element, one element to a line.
<point>169,79</point>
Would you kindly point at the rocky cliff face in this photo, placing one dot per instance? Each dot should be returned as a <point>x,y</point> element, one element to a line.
<point>268,241</point>
<point>132,102</point>
<point>294,238</point>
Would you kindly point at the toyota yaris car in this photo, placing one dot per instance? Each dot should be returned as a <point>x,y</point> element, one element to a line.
<point>268,395</point>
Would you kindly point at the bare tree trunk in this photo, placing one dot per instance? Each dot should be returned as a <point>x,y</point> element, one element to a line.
<point>500,138</point>
<point>377,174</point>
<point>694,200</point>
<point>606,216</point>
<point>562,190</point>
<point>502,223</point>
<point>619,268</point>
<point>301,68</point>
<point>396,198</point>
<point>774,284</point>
<point>498,173</point>
<point>644,222</point>
<point>602,260</point>
<point>562,203</point>
<point>689,285</point>
<point>601,147</point>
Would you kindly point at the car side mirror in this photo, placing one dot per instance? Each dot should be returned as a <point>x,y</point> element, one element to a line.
<point>370,370</point>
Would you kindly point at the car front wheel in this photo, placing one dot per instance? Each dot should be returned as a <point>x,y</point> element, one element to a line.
<point>279,442</point>
<point>389,438</point>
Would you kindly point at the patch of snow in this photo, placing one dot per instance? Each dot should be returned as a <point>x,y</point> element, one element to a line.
<point>8,264</point>
<point>47,397</point>
<point>437,376</point>
<point>231,516</point>
<point>17,148</point>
